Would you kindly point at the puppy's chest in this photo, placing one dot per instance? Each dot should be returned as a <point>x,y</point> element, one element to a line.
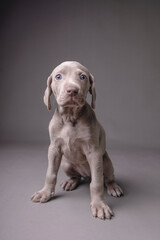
<point>74,139</point>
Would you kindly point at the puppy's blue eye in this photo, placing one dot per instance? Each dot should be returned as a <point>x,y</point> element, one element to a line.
<point>83,77</point>
<point>58,77</point>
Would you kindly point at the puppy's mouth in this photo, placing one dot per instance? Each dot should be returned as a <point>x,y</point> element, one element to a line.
<point>71,101</point>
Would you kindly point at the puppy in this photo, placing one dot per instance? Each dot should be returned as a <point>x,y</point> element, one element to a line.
<point>77,140</point>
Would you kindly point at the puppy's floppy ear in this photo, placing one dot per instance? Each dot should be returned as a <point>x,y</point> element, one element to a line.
<point>92,90</point>
<point>48,93</point>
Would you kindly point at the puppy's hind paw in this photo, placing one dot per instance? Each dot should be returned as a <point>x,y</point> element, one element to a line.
<point>70,184</point>
<point>114,190</point>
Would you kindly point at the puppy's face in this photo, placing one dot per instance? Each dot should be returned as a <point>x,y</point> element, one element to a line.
<point>70,83</point>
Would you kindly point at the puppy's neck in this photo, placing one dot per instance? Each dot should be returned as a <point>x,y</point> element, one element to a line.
<point>71,114</point>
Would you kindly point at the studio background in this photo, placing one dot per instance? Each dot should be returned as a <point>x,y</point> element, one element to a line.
<point>118,41</point>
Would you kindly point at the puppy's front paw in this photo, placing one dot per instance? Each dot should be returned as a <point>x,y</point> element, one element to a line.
<point>42,196</point>
<point>101,210</point>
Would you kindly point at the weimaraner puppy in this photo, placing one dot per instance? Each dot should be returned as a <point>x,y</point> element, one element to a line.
<point>77,140</point>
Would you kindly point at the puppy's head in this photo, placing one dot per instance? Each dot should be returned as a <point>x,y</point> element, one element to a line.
<point>70,82</point>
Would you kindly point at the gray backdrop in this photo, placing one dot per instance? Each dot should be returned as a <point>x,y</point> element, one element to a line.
<point>119,42</point>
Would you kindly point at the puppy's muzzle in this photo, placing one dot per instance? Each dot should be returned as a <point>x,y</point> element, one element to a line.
<point>72,91</point>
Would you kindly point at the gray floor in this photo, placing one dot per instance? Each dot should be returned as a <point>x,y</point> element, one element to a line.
<point>67,216</point>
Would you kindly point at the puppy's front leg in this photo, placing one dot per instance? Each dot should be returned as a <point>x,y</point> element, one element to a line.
<point>99,206</point>
<point>47,192</point>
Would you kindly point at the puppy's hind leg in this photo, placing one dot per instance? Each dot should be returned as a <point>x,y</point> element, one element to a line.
<point>74,177</point>
<point>109,179</point>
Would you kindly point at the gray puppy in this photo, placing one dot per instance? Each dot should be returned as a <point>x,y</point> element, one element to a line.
<point>77,139</point>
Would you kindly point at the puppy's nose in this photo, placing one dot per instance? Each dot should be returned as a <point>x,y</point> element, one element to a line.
<point>72,91</point>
